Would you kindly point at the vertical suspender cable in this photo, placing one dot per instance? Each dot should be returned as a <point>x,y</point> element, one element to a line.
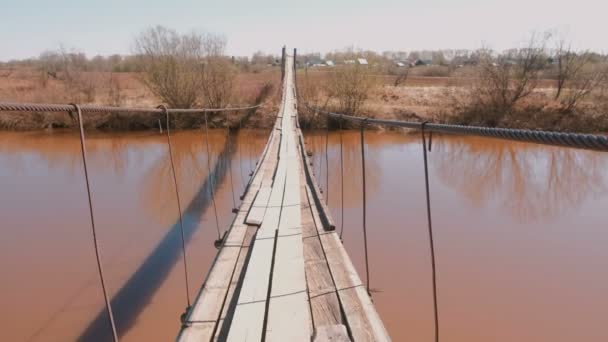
<point>238,147</point>
<point>229,143</point>
<point>250,145</point>
<point>211,180</point>
<point>326,163</point>
<point>430,228</point>
<point>83,150</point>
<point>320,164</point>
<point>179,207</point>
<point>363,124</point>
<point>342,182</point>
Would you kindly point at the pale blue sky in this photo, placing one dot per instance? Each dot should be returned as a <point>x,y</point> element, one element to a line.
<point>105,27</point>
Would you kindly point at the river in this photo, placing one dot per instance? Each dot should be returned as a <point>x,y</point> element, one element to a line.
<point>519,230</point>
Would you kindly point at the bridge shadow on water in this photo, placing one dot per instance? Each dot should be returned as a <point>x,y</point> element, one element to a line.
<point>133,297</point>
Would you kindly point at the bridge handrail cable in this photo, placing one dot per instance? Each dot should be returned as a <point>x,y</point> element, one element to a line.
<point>46,107</point>
<point>574,140</point>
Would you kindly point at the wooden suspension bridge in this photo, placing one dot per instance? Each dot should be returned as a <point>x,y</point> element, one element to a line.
<point>282,273</point>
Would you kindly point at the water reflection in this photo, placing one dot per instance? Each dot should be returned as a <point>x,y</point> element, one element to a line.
<point>491,202</point>
<point>528,181</point>
<point>531,182</point>
<point>134,199</point>
<point>134,296</point>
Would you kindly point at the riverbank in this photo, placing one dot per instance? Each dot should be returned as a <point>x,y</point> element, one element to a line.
<point>419,98</point>
<point>127,90</point>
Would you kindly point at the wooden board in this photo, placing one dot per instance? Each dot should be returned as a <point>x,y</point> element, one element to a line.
<point>248,321</point>
<point>256,214</point>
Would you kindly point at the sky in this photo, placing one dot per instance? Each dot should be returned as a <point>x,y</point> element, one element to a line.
<point>107,27</point>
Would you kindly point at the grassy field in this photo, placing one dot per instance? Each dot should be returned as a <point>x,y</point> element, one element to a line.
<point>420,97</point>
<point>118,89</point>
<point>445,99</point>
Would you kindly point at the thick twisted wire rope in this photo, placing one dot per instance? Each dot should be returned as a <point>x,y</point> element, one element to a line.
<point>430,230</point>
<point>83,150</point>
<point>179,206</point>
<point>574,140</point>
<point>46,107</point>
<point>211,180</point>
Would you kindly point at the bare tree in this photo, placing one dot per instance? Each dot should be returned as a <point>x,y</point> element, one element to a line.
<point>172,65</point>
<point>70,67</point>
<point>569,65</point>
<point>401,77</point>
<point>577,75</point>
<point>511,77</point>
<point>219,76</point>
<point>582,84</point>
<point>351,86</point>
<point>401,74</point>
<point>185,69</point>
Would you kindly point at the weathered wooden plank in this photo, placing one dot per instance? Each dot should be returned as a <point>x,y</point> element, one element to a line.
<point>230,304</point>
<point>248,320</point>
<point>197,332</point>
<point>324,304</point>
<point>333,333</point>
<point>208,307</point>
<point>256,214</point>
<point>289,318</point>
<point>361,316</point>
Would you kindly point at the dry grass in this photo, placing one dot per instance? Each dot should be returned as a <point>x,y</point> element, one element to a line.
<point>447,99</point>
<point>124,89</point>
<point>419,98</point>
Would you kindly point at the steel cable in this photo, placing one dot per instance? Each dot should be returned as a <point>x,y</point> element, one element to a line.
<point>211,180</point>
<point>363,124</point>
<point>430,229</point>
<point>239,148</point>
<point>83,151</point>
<point>234,209</point>
<point>179,206</point>
<point>46,107</point>
<point>342,182</point>
<point>326,163</point>
<point>574,140</point>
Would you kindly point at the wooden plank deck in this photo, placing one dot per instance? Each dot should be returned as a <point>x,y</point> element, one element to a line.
<point>281,274</point>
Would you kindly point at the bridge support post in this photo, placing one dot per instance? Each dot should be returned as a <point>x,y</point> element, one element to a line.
<point>283,59</point>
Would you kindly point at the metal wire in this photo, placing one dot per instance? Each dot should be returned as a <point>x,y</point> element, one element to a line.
<point>574,140</point>
<point>430,229</point>
<point>234,209</point>
<point>342,183</point>
<point>83,150</point>
<point>179,206</point>
<point>320,169</point>
<point>45,107</point>
<point>238,147</point>
<point>217,222</point>
<point>326,163</point>
<point>363,124</point>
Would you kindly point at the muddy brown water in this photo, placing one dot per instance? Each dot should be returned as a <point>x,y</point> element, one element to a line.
<point>520,232</point>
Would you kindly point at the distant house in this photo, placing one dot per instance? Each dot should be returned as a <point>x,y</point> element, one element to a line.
<point>349,61</point>
<point>362,61</point>
<point>400,64</point>
<point>419,62</point>
<point>329,63</point>
<point>315,62</point>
